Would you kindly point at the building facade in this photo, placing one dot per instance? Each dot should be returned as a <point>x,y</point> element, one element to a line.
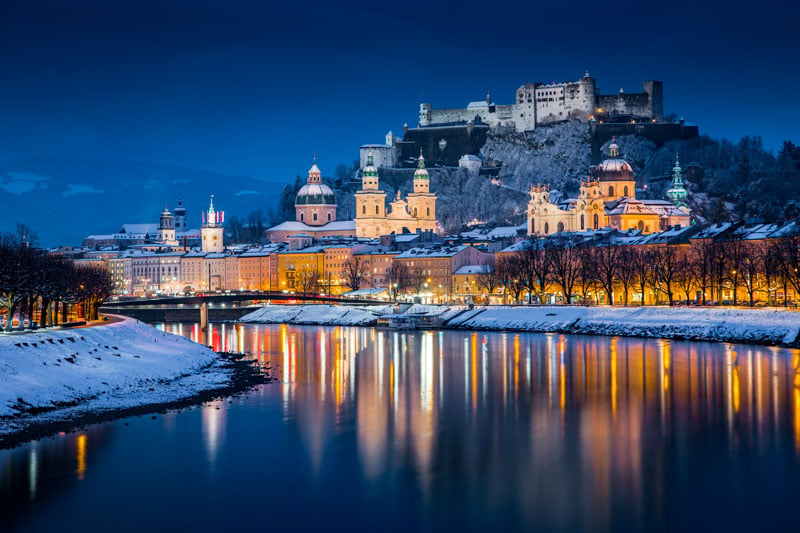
<point>416,213</point>
<point>537,104</point>
<point>607,199</point>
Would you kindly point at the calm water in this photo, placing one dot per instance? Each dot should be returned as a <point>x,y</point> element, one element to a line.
<point>374,430</point>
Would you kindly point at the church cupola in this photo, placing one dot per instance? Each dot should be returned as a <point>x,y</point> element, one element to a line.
<point>613,149</point>
<point>369,176</point>
<point>421,177</point>
<point>165,220</point>
<point>677,192</point>
<point>166,228</point>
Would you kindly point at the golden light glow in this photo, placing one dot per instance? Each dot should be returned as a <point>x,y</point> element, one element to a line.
<point>80,445</point>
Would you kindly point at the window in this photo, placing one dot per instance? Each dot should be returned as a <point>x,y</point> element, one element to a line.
<point>625,191</point>
<point>363,210</point>
<point>560,227</point>
<point>583,226</point>
<point>428,212</point>
<point>302,217</point>
<point>611,191</point>
<point>596,221</point>
<point>546,228</point>
<point>314,216</point>
<point>329,217</point>
<point>377,210</point>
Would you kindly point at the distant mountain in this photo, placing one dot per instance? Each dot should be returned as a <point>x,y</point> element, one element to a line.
<point>65,199</point>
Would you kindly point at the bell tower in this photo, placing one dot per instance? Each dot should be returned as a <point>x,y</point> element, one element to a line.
<point>212,231</point>
<point>422,203</point>
<point>370,203</point>
<point>166,228</point>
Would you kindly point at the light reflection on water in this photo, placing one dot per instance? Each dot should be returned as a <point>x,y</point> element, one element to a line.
<point>458,429</point>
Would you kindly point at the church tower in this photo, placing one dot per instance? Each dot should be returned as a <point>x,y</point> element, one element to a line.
<point>370,202</point>
<point>211,231</point>
<point>422,203</point>
<point>677,193</point>
<point>166,228</point>
<point>180,219</point>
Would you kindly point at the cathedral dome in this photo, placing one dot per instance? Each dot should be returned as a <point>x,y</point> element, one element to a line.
<point>315,194</point>
<point>614,168</point>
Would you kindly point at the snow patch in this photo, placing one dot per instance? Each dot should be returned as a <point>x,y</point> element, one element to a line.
<point>61,374</point>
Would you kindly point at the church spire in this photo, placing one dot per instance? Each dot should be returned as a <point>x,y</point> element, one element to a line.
<point>677,193</point>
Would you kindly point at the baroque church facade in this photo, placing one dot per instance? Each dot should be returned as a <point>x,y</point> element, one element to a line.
<point>417,212</point>
<point>607,199</point>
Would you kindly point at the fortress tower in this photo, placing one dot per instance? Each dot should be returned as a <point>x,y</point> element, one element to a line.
<point>212,231</point>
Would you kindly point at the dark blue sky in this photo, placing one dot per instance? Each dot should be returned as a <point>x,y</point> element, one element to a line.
<point>255,88</point>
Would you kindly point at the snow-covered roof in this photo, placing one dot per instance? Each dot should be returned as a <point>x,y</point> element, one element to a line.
<point>471,269</point>
<point>338,225</point>
<point>442,251</point>
<point>139,229</point>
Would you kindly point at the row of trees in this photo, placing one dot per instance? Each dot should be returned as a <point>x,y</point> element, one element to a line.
<point>710,269</point>
<point>31,281</point>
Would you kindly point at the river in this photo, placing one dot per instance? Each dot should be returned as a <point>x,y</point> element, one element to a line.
<point>396,431</point>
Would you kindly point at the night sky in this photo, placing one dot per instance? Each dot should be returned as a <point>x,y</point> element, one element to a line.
<point>256,88</point>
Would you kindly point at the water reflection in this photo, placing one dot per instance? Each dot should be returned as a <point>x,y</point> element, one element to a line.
<point>550,422</point>
<point>41,468</point>
<point>477,430</point>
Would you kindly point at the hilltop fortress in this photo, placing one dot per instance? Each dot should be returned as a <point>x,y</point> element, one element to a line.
<point>538,104</point>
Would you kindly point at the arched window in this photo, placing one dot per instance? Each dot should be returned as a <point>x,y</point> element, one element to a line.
<point>610,191</point>
<point>641,225</point>
<point>596,221</point>
<point>560,227</point>
<point>583,220</point>
<point>625,191</point>
<point>546,228</point>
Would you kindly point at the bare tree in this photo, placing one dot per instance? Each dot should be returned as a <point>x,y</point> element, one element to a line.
<point>398,277</point>
<point>509,268</point>
<point>564,257</point>
<point>308,280</point>
<point>355,271</point>
<point>627,273</point>
<point>488,278</point>
<point>535,267</point>
<point>665,262</point>
<point>608,262</point>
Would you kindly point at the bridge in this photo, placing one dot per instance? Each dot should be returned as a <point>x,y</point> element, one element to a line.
<point>218,305</point>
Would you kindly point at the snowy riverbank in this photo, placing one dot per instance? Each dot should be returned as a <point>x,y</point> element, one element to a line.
<point>759,326</point>
<point>59,375</point>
